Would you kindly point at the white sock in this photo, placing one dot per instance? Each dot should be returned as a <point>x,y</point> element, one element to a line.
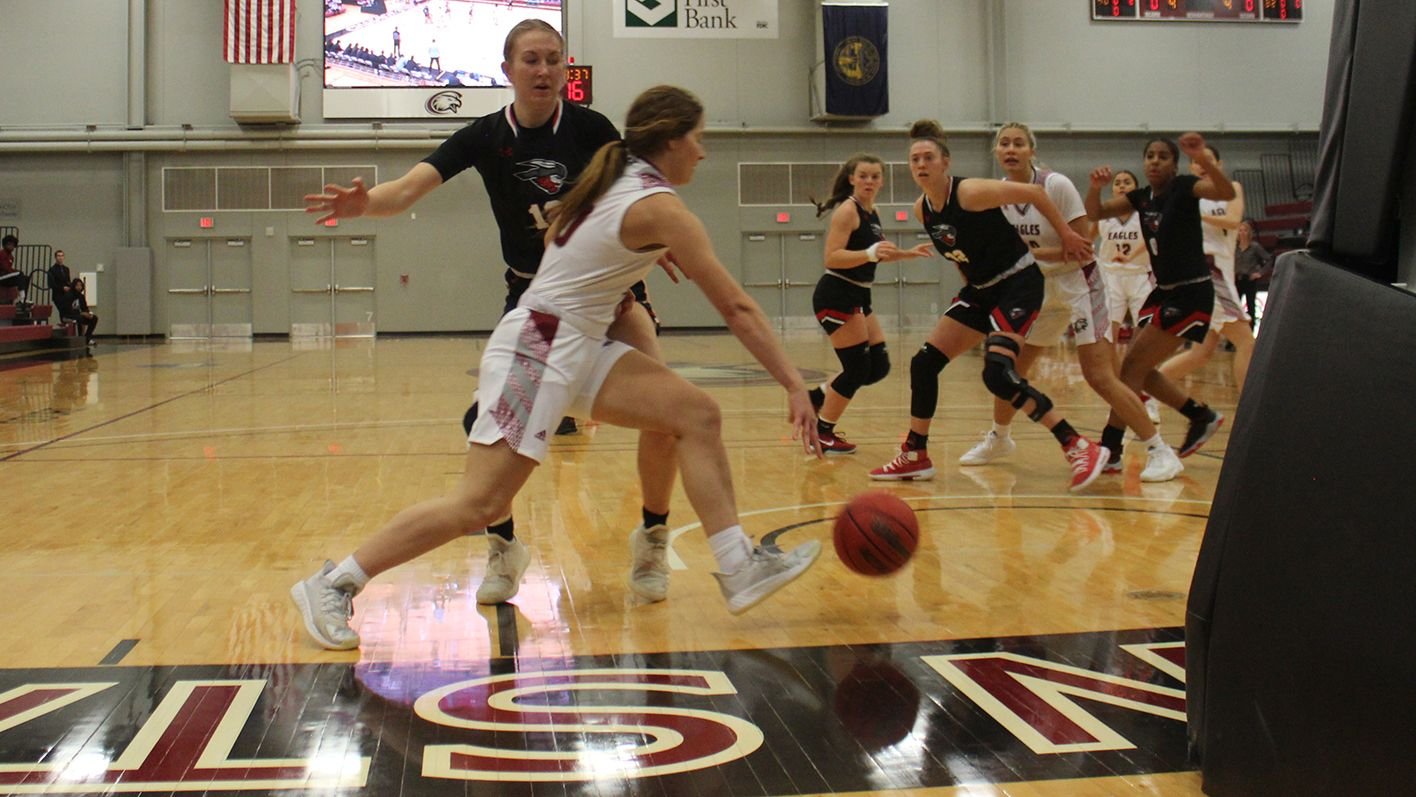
<point>731,547</point>
<point>350,568</point>
<point>1154,442</point>
<point>1002,430</point>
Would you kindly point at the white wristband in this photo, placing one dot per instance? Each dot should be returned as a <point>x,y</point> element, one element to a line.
<point>870,254</point>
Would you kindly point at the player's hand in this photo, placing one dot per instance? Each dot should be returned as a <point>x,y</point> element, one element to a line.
<point>338,202</point>
<point>1075,248</point>
<point>919,250</point>
<point>802,417</point>
<point>1101,177</point>
<point>1193,145</point>
<point>671,266</point>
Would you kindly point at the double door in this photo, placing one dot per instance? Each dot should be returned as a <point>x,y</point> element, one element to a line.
<point>332,287</point>
<point>780,271</point>
<point>209,288</point>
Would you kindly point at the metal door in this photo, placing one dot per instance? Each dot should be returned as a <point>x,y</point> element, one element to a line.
<point>230,296</point>
<point>188,288</point>
<point>762,273</point>
<point>310,287</point>
<point>803,264</point>
<point>353,287</point>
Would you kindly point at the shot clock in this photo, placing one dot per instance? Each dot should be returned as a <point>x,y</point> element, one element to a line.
<point>578,86</point>
<point>1199,10</point>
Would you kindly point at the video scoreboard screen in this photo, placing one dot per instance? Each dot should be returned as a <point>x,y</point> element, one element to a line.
<point>1199,10</point>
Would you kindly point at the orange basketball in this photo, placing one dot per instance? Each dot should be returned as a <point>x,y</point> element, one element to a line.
<point>876,533</point>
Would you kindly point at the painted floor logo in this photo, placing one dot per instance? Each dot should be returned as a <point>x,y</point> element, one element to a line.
<point>651,13</point>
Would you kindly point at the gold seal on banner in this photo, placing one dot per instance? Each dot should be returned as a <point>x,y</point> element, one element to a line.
<point>857,60</point>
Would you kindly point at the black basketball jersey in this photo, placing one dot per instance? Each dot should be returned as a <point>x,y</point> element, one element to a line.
<point>524,169</point>
<point>1170,223</point>
<point>865,235</point>
<point>982,243</point>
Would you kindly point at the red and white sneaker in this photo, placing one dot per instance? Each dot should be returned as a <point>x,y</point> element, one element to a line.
<point>833,443</point>
<point>1087,460</point>
<point>908,466</point>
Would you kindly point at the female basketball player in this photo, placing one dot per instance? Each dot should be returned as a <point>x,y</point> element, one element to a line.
<point>551,354</point>
<point>1074,298</point>
<point>1221,222</point>
<point>1000,300</point>
<point>528,153</point>
<point>1179,307</point>
<point>855,243</point>
<point>1124,260</point>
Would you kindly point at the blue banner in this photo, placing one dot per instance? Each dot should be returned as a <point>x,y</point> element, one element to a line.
<point>856,77</point>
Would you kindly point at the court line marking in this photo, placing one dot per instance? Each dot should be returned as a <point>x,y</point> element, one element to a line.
<point>677,563</point>
<point>150,407</point>
<point>119,651</point>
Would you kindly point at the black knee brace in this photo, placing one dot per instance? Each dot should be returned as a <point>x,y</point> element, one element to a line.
<point>855,369</point>
<point>879,363</point>
<point>1000,376</point>
<point>924,381</point>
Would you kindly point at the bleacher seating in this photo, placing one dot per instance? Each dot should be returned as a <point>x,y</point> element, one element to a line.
<point>32,331</point>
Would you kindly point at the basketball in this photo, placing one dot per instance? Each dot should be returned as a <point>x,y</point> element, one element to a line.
<point>876,533</point>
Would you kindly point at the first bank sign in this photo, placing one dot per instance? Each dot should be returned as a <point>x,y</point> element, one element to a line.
<point>696,19</point>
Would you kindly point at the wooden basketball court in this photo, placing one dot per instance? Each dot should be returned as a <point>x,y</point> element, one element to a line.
<point>162,500</point>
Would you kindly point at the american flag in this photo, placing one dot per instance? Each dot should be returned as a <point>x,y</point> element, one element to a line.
<point>260,31</point>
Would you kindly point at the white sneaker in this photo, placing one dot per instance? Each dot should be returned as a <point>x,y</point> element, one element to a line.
<point>326,607</point>
<point>1161,464</point>
<point>1153,410</point>
<point>505,567</point>
<point>993,447</point>
<point>765,573</point>
<point>649,575</point>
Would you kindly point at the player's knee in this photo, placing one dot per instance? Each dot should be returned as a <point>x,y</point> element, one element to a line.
<point>698,414</point>
<point>879,363</point>
<point>1001,378</point>
<point>855,369</point>
<point>926,364</point>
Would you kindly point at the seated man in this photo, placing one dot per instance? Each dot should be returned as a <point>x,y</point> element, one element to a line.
<point>59,280</point>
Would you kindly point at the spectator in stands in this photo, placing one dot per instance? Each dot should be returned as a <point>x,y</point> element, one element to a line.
<point>1252,263</point>
<point>397,42</point>
<point>59,281</point>
<point>434,61</point>
<point>11,277</point>
<point>77,310</point>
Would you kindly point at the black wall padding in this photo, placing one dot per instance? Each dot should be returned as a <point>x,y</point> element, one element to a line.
<point>1301,623</point>
<point>1368,111</point>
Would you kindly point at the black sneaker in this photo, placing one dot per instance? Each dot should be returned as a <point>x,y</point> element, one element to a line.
<point>1199,432</point>
<point>567,426</point>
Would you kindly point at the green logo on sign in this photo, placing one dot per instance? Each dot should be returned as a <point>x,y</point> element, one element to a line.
<point>651,13</point>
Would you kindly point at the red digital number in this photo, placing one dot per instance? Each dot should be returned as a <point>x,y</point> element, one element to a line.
<point>574,91</point>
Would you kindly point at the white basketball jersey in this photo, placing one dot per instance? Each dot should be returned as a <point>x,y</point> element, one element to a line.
<point>1219,242</point>
<point>1033,227</point>
<point>1119,239</point>
<point>587,269</point>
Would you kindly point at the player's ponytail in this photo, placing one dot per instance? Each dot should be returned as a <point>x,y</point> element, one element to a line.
<point>841,185</point>
<point>603,170</point>
<point>656,117</point>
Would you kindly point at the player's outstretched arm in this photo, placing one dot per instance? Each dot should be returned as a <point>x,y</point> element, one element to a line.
<point>384,199</point>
